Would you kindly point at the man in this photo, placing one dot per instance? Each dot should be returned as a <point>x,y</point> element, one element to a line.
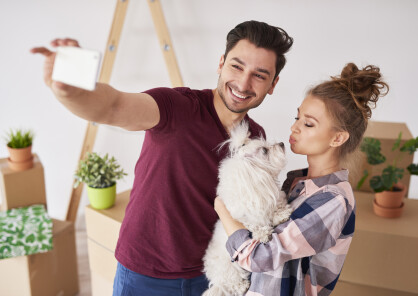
<point>170,217</point>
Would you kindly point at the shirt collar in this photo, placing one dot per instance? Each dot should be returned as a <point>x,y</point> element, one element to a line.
<point>315,184</point>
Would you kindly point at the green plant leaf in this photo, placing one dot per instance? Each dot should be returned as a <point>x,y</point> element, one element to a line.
<point>376,184</point>
<point>410,146</point>
<point>371,147</point>
<point>98,172</point>
<point>413,169</point>
<point>19,138</point>
<point>397,142</point>
<point>363,179</point>
<point>390,176</point>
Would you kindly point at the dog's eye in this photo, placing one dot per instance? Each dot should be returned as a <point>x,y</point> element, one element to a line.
<point>265,150</point>
<point>243,145</point>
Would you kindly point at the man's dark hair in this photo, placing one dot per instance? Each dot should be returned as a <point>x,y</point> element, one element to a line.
<point>264,36</point>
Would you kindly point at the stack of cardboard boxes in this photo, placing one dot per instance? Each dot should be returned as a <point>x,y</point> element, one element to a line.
<point>44,274</point>
<point>102,234</point>
<point>383,255</point>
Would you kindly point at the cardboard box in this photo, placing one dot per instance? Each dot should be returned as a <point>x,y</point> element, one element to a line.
<point>349,289</point>
<point>102,235</point>
<point>384,252</point>
<point>22,189</point>
<point>44,274</point>
<point>102,261</point>
<point>387,133</point>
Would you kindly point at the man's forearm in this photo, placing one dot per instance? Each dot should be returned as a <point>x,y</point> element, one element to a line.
<point>95,106</point>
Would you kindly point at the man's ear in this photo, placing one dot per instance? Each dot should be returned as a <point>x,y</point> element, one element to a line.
<point>273,85</point>
<point>340,138</point>
<point>221,64</point>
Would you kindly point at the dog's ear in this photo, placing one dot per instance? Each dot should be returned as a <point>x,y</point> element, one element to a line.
<point>239,135</point>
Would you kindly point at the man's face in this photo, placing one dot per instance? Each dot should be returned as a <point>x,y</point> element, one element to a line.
<point>246,76</point>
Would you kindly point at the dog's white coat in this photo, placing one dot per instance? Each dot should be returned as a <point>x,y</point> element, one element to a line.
<point>249,187</point>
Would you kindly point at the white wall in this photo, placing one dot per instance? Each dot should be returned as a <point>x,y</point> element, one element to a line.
<point>327,34</point>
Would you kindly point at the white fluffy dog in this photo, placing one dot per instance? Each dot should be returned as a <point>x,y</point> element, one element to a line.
<point>249,187</point>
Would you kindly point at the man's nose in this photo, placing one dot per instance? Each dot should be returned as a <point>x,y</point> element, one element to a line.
<point>245,82</point>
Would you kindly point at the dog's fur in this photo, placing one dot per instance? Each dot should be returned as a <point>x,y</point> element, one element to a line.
<point>249,187</point>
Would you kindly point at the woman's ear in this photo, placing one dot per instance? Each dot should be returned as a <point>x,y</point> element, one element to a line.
<point>339,139</point>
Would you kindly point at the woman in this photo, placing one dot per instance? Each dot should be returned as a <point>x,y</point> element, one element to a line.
<point>306,253</point>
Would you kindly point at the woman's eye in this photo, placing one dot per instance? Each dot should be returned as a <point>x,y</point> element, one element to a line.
<point>307,124</point>
<point>296,118</point>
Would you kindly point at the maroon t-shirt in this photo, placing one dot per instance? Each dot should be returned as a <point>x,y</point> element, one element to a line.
<point>170,217</point>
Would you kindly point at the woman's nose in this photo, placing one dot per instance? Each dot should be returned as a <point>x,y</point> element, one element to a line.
<point>294,128</point>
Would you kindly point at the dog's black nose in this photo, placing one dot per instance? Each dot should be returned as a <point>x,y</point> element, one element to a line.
<point>281,145</point>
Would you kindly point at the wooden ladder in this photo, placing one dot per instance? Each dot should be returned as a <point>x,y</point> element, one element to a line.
<point>106,72</point>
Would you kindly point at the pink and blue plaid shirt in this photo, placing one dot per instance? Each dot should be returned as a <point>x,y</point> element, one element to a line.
<point>307,252</point>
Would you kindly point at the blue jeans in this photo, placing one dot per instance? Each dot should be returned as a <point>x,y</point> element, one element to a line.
<point>130,283</point>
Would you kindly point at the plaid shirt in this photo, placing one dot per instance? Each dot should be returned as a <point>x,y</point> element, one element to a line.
<point>307,252</point>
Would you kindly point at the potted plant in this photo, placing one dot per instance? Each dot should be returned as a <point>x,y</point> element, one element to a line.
<point>100,175</point>
<point>19,145</point>
<point>389,191</point>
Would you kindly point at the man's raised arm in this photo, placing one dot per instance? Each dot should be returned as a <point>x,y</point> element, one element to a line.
<point>104,105</point>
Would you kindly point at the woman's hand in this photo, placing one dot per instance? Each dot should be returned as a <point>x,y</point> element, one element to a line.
<point>230,224</point>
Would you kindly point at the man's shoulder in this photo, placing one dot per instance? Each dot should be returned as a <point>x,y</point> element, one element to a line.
<point>180,91</point>
<point>256,129</point>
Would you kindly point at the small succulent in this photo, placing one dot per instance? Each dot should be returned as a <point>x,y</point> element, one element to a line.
<point>19,138</point>
<point>392,173</point>
<point>98,172</point>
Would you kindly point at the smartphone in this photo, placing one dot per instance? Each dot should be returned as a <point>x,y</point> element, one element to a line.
<point>77,66</point>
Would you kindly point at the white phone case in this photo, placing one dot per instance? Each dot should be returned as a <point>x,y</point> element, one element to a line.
<point>76,66</point>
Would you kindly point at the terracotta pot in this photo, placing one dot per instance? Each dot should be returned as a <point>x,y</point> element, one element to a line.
<point>387,212</point>
<point>20,158</point>
<point>391,199</point>
<point>20,166</point>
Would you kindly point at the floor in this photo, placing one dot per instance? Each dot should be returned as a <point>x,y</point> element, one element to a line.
<point>83,261</point>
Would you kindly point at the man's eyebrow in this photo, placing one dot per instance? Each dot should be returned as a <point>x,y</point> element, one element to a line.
<point>261,70</point>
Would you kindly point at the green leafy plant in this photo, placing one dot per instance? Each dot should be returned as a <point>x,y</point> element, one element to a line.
<point>98,172</point>
<point>19,138</point>
<point>392,173</point>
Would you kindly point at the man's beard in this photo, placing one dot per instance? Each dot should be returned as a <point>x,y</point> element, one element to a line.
<point>221,93</point>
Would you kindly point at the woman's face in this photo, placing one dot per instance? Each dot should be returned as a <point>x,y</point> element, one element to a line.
<point>312,133</point>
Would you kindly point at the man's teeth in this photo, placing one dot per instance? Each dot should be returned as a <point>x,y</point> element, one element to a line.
<point>237,94</point>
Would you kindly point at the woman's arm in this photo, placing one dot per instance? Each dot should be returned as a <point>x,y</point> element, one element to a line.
<point>230,224</point>
<point>315,226</point>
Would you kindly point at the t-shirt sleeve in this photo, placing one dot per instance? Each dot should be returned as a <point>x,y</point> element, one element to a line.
<point>173,106</point>
<point>309,231</point>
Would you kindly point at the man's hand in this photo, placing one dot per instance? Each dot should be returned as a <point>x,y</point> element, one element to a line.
<point>60,89</point>
<point>104,105</point>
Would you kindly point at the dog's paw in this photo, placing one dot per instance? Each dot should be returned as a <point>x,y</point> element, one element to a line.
<point>282,215</point>
<point>242,288</point>
<point>262,233</point>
